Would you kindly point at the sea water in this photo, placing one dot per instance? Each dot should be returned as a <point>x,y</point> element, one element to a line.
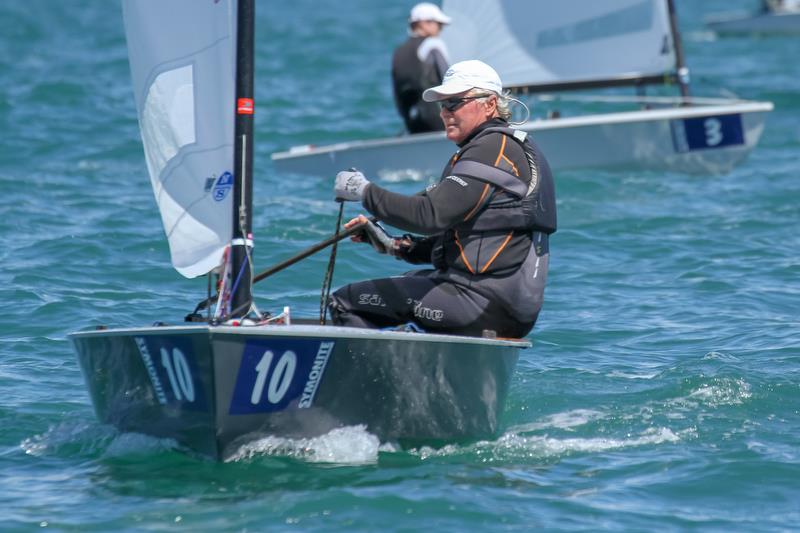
<point>662,390</point>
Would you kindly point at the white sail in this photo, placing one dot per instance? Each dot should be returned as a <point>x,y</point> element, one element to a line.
<point>182,58</point>
<point>531,42</point>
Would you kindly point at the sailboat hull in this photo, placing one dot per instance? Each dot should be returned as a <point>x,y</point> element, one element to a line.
<point>697,139</point>
<point>215,388</point>
<point>764,23</point>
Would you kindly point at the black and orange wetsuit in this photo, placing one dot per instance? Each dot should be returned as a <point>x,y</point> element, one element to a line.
<point>486,225</point>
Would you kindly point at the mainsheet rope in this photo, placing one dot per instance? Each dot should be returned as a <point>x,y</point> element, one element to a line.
<point>327,281</point>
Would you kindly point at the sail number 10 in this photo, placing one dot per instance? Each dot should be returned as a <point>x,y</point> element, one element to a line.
<point>275,379</point>
<point>277,374</point>
<point>280,378</point>
<point>179,374</point>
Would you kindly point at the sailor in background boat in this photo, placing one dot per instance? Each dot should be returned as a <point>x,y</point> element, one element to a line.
<point>418,64</point>
<point>486,225</point>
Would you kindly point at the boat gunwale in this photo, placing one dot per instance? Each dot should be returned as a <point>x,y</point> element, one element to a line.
<point>330,332</point>
<point>705,106</point>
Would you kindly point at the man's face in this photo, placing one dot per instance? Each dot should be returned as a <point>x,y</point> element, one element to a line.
<point>469,114</point>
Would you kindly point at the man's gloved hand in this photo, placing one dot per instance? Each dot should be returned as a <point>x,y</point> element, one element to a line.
<point>372,233</point>
<point>350,185</point>
<point>377,237</point>
<point>403,246</point>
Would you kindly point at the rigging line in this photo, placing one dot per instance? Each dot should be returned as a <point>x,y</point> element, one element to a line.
<point>328,280</point>
<point>208,292</point>
<point>253,306</point>
<point>243,229</point>
<point>242,192</point>
<point>238,278</point>
<point>223,294</point>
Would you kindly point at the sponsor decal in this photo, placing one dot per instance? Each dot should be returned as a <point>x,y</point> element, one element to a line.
<point>279,374</point>
<point>373,300</point>
<point>171,366</point>
<point>315,375</point>
<point>245,106</point>
<point>704,133</point>
<point>435,315</point>
<point>457,180</point>
<point>223,186</point>
<point>151,370</point>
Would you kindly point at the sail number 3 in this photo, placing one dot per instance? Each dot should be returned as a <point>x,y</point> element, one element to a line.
<point>710,132</point>
<point>713,131</point>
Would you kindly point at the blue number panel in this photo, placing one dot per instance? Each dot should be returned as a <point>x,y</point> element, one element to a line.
<point>706,133</point>
<point>276,374</point>
<point>171,365</point>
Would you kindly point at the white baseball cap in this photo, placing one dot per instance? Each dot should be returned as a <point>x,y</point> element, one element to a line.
<point>463,76</point>
<point>427,11</point>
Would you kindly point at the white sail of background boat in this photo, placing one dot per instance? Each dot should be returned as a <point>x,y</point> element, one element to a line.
<point>233,376</point>
<point>542,46</point>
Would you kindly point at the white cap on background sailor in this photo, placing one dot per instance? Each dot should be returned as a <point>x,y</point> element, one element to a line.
<point>427,11</point>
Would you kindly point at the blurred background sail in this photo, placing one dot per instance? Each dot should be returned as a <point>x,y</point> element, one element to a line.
<point>533,42</point>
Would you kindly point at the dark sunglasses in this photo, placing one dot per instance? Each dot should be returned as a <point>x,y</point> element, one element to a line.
<point>454,104</point>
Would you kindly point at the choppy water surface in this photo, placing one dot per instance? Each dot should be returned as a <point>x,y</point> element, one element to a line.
<point>662,391</point>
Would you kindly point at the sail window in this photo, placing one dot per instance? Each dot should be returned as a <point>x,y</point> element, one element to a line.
<point>633,19</point>
<point>168,117</point>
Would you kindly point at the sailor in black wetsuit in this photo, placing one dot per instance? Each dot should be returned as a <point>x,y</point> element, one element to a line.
<point>418,64</point>
<point>486,224</point>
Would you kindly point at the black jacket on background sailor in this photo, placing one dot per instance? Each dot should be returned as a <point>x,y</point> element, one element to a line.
<point>418,64</point>
<point>486,227</point>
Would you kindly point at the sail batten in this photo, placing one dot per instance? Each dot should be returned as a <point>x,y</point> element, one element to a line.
<point>183,70</point>
<point>542,42</point>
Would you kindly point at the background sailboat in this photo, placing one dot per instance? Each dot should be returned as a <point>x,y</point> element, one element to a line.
<point>779,17</point>
<point>240,374</point>
<point>546,47</point>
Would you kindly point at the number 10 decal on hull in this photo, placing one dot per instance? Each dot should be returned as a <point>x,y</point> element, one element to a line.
<point>172,372</point>
<point>213,388</point>
<point>277,374</point>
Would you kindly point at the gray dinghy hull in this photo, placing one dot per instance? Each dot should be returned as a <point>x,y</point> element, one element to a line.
<point>215,388</point>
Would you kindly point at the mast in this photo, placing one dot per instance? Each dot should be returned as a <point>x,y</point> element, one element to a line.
<point>241,297</point>
<point>680,64</point>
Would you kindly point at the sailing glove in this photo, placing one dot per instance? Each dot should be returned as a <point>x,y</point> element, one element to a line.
<point>350,186</point>
<point>378,238</point>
